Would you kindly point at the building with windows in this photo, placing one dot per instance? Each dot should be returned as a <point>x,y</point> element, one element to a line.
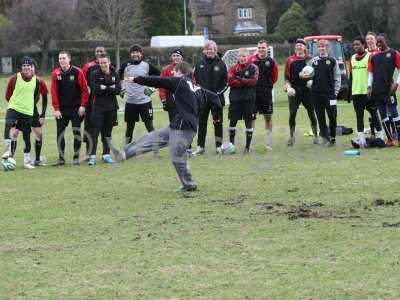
<point>229,17</point>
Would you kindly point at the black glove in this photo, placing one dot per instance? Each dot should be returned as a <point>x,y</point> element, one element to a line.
<point>164,105</point>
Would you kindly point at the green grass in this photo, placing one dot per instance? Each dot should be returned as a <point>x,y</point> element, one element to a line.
<point>297,223</point>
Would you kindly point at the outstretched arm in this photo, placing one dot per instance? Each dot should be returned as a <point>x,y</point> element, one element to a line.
<point>168,83</point>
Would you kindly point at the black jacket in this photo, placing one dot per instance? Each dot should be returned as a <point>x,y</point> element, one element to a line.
<point>105,99</point>
<point>327,78</point>
<point>187,98</point>
<point>212,74</point>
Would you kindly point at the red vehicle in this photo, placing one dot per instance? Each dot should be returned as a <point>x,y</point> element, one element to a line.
<point>336,50</point>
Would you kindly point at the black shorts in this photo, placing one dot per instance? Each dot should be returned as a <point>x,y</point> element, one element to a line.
<point>67,117</point>
<point>104,119</point>
<point>35,119</point>
<point>18,120</point>
<point>241,110</point>
<point>264,103</point>
<point>133,111</point>
<point>385,99</point>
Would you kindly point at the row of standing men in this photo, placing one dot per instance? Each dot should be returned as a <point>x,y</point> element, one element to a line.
<point>90,94</point>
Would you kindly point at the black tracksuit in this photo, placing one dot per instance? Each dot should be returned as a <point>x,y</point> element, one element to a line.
<point>68,92</point>
<point>182,90</point>
<point>211,74</point>
<point>189,100</point>
<point>105,88</point>
<point>325,88</point>
<point>294,65</point>
<point>382,65</point>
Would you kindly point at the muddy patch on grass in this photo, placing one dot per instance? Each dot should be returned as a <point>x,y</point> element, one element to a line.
<point>383,202</point>
<point>392,225</point>
<point>314,210</point>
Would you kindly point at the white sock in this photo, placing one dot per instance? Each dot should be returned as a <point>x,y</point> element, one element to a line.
<point>361,138</point>
<point>379,134</point>
<point>27,158</point>
<point>269,138</point>
<point>7,144</point>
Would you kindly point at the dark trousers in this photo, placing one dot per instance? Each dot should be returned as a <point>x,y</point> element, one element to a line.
<point>102,122</point>
<point>294,103</point>
<point>362,103</point>
<point>88,129</point>
<point>323,106</point>
<point>203,122</point>
<point>62,124</point>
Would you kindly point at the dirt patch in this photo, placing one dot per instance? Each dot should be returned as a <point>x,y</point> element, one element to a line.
<point>393,225</point>
<point>382,202</point>
<point>306,211</point>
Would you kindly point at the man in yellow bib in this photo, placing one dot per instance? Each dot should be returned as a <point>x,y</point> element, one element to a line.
<point>22,89</point>
<point>359,91</point>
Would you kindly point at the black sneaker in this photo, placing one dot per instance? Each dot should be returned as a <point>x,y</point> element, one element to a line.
<point>189,188</point>
<point>59,162</point>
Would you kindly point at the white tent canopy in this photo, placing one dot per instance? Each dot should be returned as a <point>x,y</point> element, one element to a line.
<point>165,41</point>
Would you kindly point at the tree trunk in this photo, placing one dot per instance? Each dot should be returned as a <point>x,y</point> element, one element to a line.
<point>45,57</point>
<point>117,53</point>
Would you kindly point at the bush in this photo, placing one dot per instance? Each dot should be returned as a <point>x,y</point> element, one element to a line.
<point>293,23</point>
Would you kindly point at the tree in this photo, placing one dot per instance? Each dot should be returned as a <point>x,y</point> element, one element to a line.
<point>314,9</point>
<point>169,19</point>
<point>274,9</point>
<point>5,26</point>
<point>117,18</point>
<point>4,5</point>
<point>356,17</point>
<point>293,23</point>
<point>38,23</point>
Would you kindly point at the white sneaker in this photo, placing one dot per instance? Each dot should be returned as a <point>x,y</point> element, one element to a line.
<point>28,162</point>
<point>199,151</point>
<point>29,166</point>
<point>219,150</point>
<point>6,155</point>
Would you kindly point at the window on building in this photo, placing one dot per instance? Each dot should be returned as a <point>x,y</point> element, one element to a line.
<point>245,13</point>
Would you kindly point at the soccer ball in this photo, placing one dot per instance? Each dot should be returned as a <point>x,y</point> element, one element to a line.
<point>228,149</point>
<point>307,72</point>
<point>9,164</point>
<point>148,91</point>
<point>291,92</point>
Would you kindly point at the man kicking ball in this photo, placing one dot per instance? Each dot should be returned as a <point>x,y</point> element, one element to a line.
<point>189,100</point>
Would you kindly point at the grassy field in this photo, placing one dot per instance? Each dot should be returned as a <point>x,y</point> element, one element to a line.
<point>298,223</point>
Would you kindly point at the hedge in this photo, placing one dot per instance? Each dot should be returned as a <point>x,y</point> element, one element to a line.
<point>157,56</point>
